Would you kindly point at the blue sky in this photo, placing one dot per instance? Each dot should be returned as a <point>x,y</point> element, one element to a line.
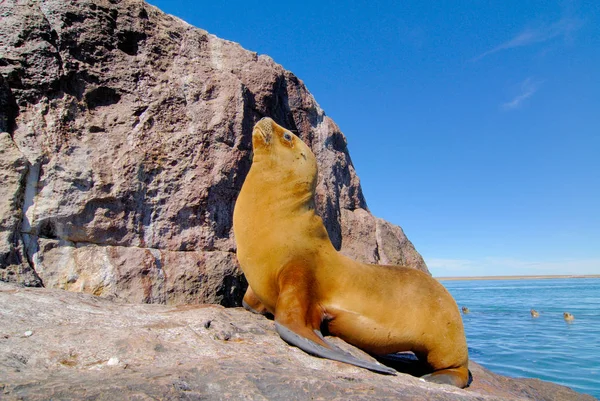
<point>474,126</point>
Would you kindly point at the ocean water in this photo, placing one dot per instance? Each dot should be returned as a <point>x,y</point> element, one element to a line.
<point>503,337</point>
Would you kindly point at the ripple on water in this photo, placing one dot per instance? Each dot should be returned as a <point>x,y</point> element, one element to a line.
<point>503,336</point>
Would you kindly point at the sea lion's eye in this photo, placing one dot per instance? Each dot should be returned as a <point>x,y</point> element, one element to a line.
<point>287,136</point>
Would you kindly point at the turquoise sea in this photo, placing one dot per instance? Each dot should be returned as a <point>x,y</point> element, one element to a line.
<point>503,337</point>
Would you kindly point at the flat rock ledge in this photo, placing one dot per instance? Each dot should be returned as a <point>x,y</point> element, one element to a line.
<point>61,345</point>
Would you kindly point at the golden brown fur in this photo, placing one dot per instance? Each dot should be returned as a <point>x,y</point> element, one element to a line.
<point>295,273</point>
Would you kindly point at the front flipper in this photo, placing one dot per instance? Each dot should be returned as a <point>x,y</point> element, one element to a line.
<point>298,319</point>
<point>253,304</point>
<point>329,352</point>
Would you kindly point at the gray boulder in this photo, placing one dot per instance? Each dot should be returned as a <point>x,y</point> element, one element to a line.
<point>126,141</point>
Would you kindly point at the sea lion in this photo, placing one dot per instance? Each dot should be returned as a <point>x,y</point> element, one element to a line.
<point>568,317</point>
<point>534,313</point>
<point>296,274</point>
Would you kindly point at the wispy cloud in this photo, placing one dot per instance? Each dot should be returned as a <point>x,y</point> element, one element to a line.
<point>527,89</point>
<point>506,266</point>
<point>530,36</point>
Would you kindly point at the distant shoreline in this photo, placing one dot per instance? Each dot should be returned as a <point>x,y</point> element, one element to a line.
<point>518,277</point>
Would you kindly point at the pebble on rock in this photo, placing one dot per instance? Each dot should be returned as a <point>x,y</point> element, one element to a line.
<point>114,361</point>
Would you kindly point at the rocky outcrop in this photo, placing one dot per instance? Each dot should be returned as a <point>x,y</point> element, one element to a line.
<point>13,172</point>
<point>62,345</point>
<point>126,138</point>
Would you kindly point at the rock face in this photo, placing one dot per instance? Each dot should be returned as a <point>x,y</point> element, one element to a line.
<point>126,139</point>
<point>61,345</point>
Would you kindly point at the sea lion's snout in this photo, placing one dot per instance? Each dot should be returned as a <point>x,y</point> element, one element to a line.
<point>263,132</point>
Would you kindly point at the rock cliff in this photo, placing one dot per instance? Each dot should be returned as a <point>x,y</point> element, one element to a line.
<point>125,140</point>
<point>61,345</point>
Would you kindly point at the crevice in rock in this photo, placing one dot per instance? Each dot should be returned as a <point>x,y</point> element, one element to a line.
<point>232,290</point>
<point>52,37</point>
<point>31,183</point>
<point>30,247</point>
<point>13,262</point>
<point>73,83</point>
<point>154,251</point>
<point>249,118</point>
<point>157,257</point>
<point>128,41</point>
<point>27,187</point>
<point>9,110</point>
<point>278,105</point>
<point>337,142</point>
<point>12,257</point>
<point>47,230</point>
<point>161,282</point>
<point>378,245</point>
<point>143,14</point>
<point>332,220</point>
<point>101,96</point>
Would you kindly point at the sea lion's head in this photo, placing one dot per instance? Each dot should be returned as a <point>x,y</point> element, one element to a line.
<point>283,152</point>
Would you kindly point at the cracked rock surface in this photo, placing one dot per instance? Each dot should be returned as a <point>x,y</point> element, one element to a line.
<point>125,140</point>
<point>70,346</point>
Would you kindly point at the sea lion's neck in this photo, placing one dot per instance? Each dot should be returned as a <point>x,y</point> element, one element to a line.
<point>279,193</point>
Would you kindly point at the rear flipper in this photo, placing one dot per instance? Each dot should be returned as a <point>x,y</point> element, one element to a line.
<point>333,352</point>
<point>459,377</point>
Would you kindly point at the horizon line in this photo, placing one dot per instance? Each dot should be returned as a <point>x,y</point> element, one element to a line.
<point>517,277</point>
